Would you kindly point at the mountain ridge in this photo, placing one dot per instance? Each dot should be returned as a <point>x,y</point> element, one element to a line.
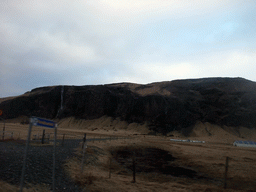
<point>167,105</point>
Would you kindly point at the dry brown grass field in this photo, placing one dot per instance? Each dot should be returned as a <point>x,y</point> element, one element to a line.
<point>176,166</point>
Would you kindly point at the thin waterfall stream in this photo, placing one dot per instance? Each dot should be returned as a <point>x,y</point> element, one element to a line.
<point>61,101</point>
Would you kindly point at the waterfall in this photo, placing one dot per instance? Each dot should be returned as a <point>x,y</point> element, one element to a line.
<point>61,100</point>
<point>61,97</point>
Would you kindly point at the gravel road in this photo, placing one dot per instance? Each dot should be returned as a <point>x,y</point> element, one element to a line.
<point>39,164</point>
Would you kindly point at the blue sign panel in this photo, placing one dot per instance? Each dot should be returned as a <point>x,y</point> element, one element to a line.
<point>43,122</point>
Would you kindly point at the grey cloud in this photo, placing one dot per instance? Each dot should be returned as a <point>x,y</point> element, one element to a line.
<point>86,43</point>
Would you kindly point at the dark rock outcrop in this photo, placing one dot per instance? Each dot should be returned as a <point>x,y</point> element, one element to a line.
<point>165,105</point>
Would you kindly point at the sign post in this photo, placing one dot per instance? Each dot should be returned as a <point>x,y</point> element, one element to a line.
<point>36,121</point>
<point>25,157</point>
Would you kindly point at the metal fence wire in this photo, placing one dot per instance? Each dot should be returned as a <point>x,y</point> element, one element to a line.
<point>241,170</point>
<point>40,161</point>
<point>241,173</point>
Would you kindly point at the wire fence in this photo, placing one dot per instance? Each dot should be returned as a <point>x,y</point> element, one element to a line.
<point>19,131</point>
<point>239,172</point>
<point>40,162</point>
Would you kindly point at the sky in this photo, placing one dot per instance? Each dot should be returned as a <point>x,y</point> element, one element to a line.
<point>92,42</point>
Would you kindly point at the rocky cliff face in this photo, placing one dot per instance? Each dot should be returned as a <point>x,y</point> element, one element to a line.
<point>165,105</point>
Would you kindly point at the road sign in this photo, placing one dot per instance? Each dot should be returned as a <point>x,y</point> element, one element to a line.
<point>42,122</point>
<point>36,121</point>
<point>1,112</point>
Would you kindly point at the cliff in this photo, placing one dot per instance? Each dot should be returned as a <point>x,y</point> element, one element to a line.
<point>166,106</point>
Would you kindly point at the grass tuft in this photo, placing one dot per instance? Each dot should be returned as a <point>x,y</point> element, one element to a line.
<point>84,179</point>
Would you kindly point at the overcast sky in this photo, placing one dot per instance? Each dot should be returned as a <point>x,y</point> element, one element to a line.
<point>90,42</point>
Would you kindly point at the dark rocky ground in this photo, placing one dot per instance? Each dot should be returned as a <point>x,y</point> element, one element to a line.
<point>155,161</point>
<point>39,164</point>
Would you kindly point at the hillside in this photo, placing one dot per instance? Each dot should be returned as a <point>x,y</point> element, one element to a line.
<point>165,106</point>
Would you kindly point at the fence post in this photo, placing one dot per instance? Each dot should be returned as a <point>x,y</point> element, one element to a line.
<point>84,139</point>
<point>134,168</point>
<point>54,159</point>
<point>43,136</point>
<point>3,132</point>
<point>3,128</point>
<point>226,173</point>
<point>84,146</point>
<point>109,167</point>
<point>62,143</point>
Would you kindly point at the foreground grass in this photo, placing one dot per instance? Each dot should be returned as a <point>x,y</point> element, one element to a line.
<point>208,158</point>
<point>95,176</point>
